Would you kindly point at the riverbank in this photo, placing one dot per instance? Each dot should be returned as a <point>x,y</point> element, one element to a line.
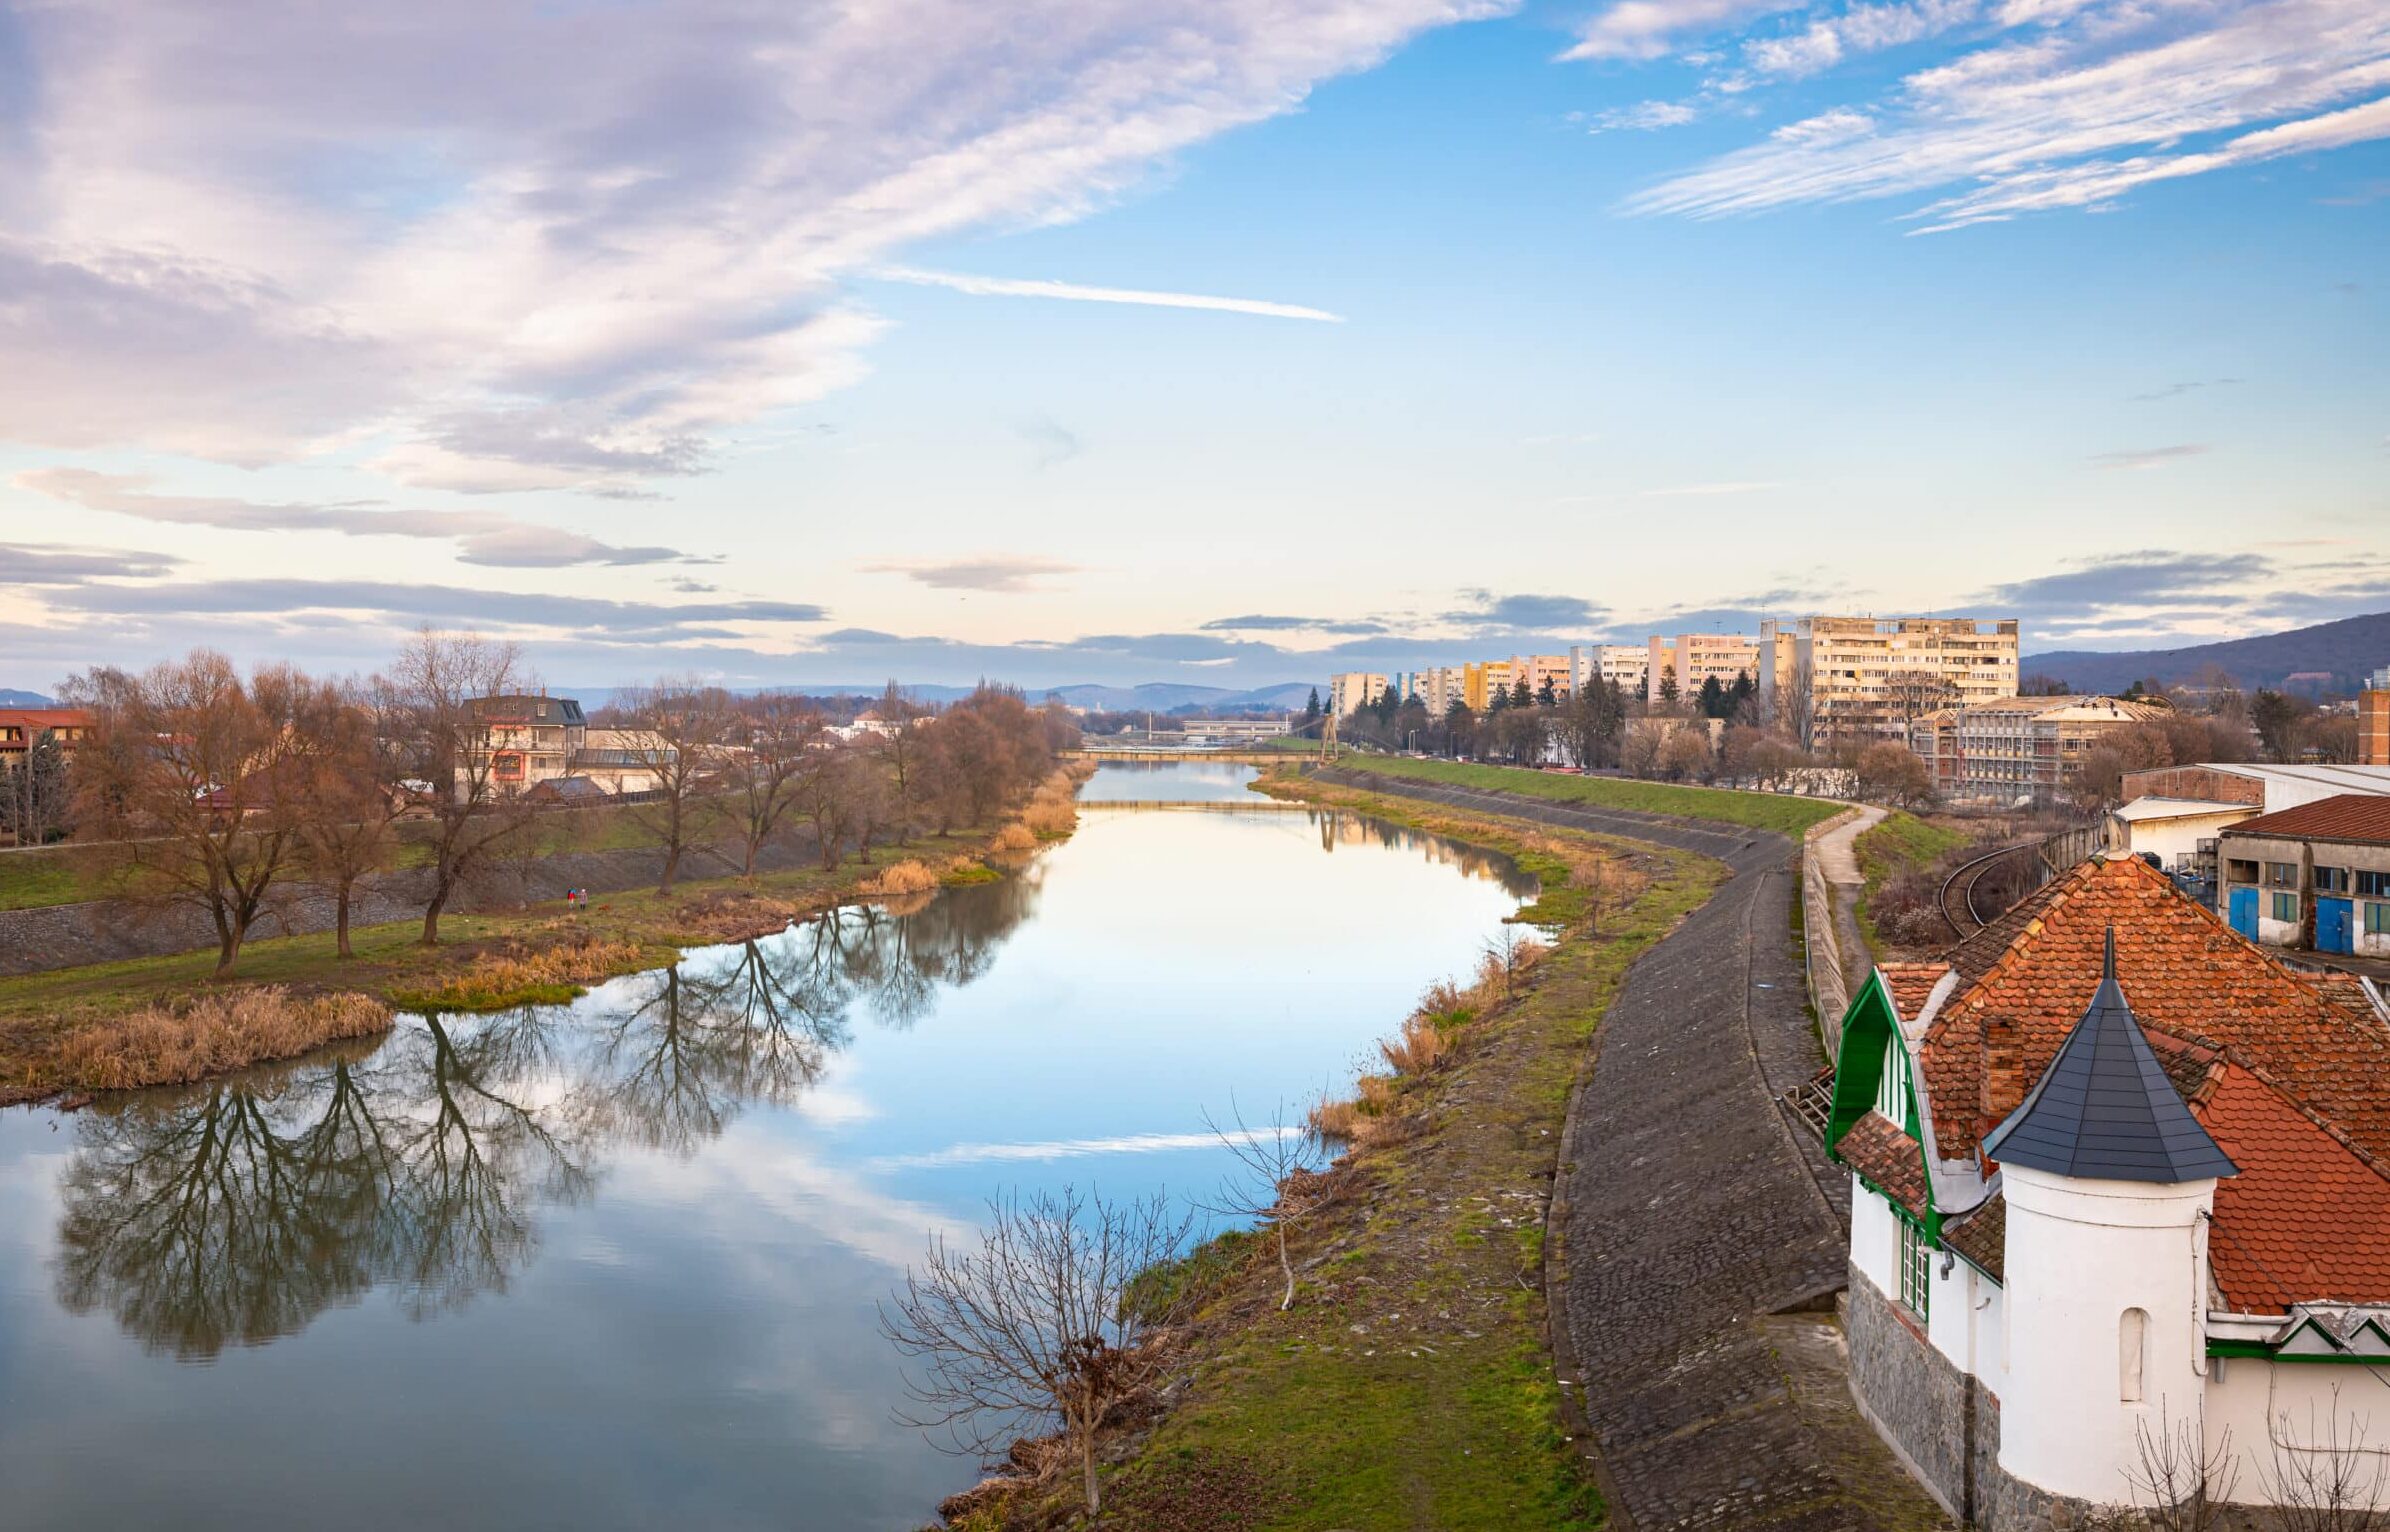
<point>163,1020</point>
<point>1411,1385</point>
<point>1787,813</point>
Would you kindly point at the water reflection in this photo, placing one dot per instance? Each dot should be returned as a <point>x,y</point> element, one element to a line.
<point>233,1212</point>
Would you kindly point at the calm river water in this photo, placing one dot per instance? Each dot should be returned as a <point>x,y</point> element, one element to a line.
<point>613,1264</point>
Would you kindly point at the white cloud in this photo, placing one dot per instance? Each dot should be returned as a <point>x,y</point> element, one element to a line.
<point>1646,29</point>
<point>2044,123</point>
<point>1076,292</point>
<point>1645,116</point>
<point>513,244</point>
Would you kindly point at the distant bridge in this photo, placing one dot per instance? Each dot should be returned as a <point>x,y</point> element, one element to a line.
<point>1194,805</point>
<point>1188,753</point>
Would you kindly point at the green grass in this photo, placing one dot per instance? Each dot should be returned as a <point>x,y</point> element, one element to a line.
<point>1782,812</point>
<point>1410,1387</point>
<point>36,879</point>
<point>1901,843</point>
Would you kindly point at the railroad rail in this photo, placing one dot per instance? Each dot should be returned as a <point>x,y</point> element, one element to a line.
<point>1959,909</point>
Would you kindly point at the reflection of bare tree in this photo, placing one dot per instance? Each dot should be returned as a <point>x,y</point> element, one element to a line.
<point>233,1212</point>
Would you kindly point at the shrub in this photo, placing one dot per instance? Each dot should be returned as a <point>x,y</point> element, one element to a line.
<point>1015,837</point>
<point>1419,1047</point>
<point>907,877</point>
<point>172,1044</point>
<point>1050,816</point>
<point>495,981</point>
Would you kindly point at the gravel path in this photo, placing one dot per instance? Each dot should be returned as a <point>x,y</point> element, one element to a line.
<point>1688,1210</point>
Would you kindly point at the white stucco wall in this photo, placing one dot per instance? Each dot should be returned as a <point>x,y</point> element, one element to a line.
<point>2081,1253</point>
<point>1965,1323</point>
<point>1874,1248</point>
<point>2178,836</point>
<point>2277,933</point>
<point>2279,1414</point>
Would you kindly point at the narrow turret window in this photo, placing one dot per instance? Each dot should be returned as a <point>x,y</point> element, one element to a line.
<point>2132,1353</point>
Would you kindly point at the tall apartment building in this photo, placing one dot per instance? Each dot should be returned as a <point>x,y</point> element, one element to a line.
<point>1870,678</point>
<point>1625,666</point>
<point>2018,747</point>
<point>1480,681</point>
<point>1350,689</point>
<point>1439,688</point>
<point>1692,658</point>
<point>2373,720</point>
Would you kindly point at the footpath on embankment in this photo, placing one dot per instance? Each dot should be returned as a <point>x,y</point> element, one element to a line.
<point>1697,1236</point>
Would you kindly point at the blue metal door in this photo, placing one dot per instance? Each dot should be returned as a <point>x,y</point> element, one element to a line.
<point>2244,912</point>
<point>2334,920</point>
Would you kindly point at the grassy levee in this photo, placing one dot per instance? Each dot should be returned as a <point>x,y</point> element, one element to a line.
<point>1762,811</point>
<point>1902,843</point>
<point>1411,1385</point>
<point>80,1028</point>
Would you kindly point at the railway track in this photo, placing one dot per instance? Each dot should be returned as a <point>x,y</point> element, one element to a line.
<point>1959,908</point>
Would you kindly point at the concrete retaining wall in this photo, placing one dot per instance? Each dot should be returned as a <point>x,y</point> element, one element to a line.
<point>1829,990</point>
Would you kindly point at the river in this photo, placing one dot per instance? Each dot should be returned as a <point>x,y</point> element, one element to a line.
<point>614,1264</point>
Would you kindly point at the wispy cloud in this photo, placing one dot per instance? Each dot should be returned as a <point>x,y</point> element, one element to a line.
<point>1001,573</point>
<point>481,537</point>
<point>2146,457</point>
<point>1057,1149</point>
<point>2177,390</point>
<point>2063,105</point>
<point>1722,487</point>
<point>1488,614</point>
<point>1643,117</point>
<point>40,564</point>
<point>1078,292</point>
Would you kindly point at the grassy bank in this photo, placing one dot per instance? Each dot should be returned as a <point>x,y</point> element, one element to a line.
<point>1902,844</point>
<point>1762,811</point>
<point>1411,1385</point>
<point>78,1028</point>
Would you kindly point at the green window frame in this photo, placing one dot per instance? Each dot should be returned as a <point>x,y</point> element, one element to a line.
<point>2282,875</point>
<point>2377,920</point>
<point>1915,1255</point>
<point>1892,1083</point>
<point>2286,906</point>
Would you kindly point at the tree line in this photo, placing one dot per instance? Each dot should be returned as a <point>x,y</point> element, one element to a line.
<point>226,791</point>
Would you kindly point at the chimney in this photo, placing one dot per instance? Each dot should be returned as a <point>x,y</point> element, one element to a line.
<point>2004,1080</point>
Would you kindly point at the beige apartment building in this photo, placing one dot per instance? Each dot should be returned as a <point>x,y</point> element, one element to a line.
<point>1350,689</point>
<point>2373,720</point>
<point>1859,678</point>
<point>2018,747</point>
<point>1692,658</point>
<point>1625,666</point>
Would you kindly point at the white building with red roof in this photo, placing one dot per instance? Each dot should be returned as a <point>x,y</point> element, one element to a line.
<point>2120,1196</point>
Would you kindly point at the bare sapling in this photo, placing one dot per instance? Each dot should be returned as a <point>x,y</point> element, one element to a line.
<point>448,697</point>
<point>1032,1325</point>
<point>1280,1180</point>
<point>2327,1479</point>
<point>678,737</point>
<point>2186,1479</point>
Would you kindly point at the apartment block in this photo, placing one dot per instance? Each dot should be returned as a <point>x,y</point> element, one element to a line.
<point>1625,666</point>
<point>1350,689</point>
<point>1692,658</point>
<point>2373,720</point>
<point>1859,678</point>
<point>2018,747</point>
<point>1480,681</point>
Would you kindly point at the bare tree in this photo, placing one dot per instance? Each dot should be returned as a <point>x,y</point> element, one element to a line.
<point>771,738</point>
<point>1035,1326</point>
<point>34,793</point>
<point>901,748</point>
<point>826,789</point>
<point>2186,1479</point>
<point>349,797</point>
<point>433,696</point>
<point>1279,1181</point>
<point>1911,694</point>
<point>677,732</point>
<point>2336,1483</point>
<point>200,772</point>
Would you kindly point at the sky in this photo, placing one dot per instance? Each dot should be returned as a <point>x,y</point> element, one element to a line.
<point>1220,342</point>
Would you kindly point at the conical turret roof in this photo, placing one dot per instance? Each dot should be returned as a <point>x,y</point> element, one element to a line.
<point>2104,1110</point>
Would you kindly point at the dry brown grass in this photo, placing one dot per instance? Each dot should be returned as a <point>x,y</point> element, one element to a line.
<point>529,976</point>
<point>172,1043</point>
<point>1015,837</point>
<point>1419,1047</point>
<point>906,877</point>
<point>1050,816</point>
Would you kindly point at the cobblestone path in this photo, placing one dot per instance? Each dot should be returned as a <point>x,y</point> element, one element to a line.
<point>1687,1210</point>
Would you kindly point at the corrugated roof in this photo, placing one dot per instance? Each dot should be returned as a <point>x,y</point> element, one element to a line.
<point>2347,816</point>
<point>2104,1110</point>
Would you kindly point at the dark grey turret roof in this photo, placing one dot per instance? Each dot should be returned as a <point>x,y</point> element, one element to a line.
<point>2104,1109</point>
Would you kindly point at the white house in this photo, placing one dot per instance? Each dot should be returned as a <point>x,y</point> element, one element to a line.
<point>2120,1192</point>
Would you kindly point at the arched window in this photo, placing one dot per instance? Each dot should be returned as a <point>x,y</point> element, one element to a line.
<point>2132,1354</point>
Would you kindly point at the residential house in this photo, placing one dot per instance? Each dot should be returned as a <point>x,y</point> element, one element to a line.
<point>2315,876</point>
<point>525,740</point>
<point>22,728</point>
<point>2116,1174</point>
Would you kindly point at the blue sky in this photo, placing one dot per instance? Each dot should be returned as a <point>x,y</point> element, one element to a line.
<point>674,338</point>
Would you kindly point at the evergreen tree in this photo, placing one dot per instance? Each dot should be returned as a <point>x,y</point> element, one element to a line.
<point>1520,696</point>
<point>1712,699</point>
<point>1545,696</point>
<point>1311,709</point>
<point>1668,688</point>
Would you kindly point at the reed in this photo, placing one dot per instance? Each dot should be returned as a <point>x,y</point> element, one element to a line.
<point>1015,837</point>
<point>906,877</point>
<point>173,1043</point>
<point>495,981</point>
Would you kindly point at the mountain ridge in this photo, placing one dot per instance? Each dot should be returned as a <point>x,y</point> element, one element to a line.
<point>2348,650</point>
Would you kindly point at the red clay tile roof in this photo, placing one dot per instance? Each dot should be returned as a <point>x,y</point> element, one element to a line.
<point>2182,970</point>
<point>1981,1236</point>
<point>2308,1218</point>
<point>1891,1161</point>
<point>2349,816</point>
<point>1911,984</point>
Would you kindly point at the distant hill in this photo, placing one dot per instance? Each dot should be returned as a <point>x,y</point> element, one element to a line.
<point>2349,650</point>
<point>1171,697</point>
<point>10,698</point>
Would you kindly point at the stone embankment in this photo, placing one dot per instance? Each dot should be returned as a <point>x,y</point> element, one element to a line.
<point>1697,1235</point>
